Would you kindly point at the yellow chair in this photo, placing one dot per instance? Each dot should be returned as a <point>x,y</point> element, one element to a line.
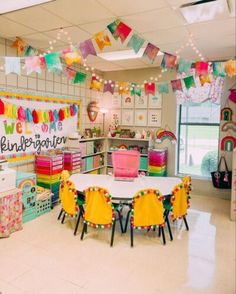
<point>99,211</point>
<point>147,212</point>
<point>180,202</point>
<point>187,180</point>
<point>69,202</point>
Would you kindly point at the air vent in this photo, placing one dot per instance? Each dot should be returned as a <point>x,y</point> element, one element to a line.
<point>205,10</point>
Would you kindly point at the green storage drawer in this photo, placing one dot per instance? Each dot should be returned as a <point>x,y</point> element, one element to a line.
<point>143,163</point>
<point>89,163</point>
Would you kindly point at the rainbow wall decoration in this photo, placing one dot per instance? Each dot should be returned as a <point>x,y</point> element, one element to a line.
<point>228,143</point>
<point>163,135</point>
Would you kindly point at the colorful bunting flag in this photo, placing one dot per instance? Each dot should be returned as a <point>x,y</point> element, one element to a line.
<point>87,48</point>
<point>168,61</point>
<point>218,69</point>
<point>71,55</point>
<point>53,62</point>
<point>151,52</point>
<point>135,90</point>
<point>176,85</point>
<point>109,87</point>
<point>95,84</point>
<point>112,28</point>
<point>184,65</point>
<point>204,80</point>
<point>122,31</point>
<point>230,67</point>
<point>19,44</point>
<point>150,88</point>
<point>123,88</point>
<point>70,73</point>
<point>189,82</point>
<point>12,65</point>
<point>102,40</point>
<point>201,68</point>
<point>136,43</point>
<point>30,51</point>
<point>163,87</point>
<point>32,64</point>
<point>80,77</point>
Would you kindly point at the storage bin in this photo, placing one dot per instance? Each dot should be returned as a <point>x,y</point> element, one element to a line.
<point>83,148</point>
<point>89,162</point>
<point>43,206</point>
<point>90,147</point>
<point>96,161</point>
<point>29,214</point>
<point>143,163</point>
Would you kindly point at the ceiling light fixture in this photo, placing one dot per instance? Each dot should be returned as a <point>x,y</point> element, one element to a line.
<point>13,5</point>
<point>123,55</point>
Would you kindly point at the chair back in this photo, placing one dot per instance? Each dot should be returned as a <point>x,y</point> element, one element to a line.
<point>68,197</point>
<point>179,201</point>
<point>126,163</point>
<point>187,180</point>
<point>147,209</point>
<point>98,207</point>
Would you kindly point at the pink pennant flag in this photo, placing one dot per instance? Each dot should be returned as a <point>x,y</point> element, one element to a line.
<point>150,88</point>
<point>201,68</point>
<point>122,31</point>
<point>70,73</point>
<point>33,64</point>
<point>176,85</point>
<point>168,61</point>
<point>109,87</point>
<point>87,48</point>
<point>151,52</point>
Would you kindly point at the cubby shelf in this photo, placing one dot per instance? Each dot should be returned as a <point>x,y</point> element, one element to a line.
<point>93,154</point>
<point>90,170</point>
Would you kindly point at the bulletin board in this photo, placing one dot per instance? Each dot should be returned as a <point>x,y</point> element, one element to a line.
<point>21,139</point>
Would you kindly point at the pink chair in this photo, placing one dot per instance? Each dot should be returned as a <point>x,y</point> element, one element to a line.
<point>125,163</point>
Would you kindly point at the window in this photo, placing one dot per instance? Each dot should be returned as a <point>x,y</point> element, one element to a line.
<point>198,139</point>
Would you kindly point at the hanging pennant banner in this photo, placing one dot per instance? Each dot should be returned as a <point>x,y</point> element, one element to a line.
<point>95,84</point>
<point>134,90</point>
<point>30,51</point>
<point>204,80</point>
<point>53,62</point>
<point>168,61</point>
<point>176,85</point>
<point>150,88</point>
<point>123,88</point>
<point>86,48</point>
<point>71,55</point>
<point>19,44</point>
<point>122,31</point>
<point>70,73</point>
<point>102,40</point>
<point>109,87</point>
<point>112,28</point>
<point>80,77</point>
<point>33,64</point>
<point>151,52</point>
<point>12,65</point>
<point>136,43</point>
<point>201,68</point>
<point>163,87</point>
<point>230,67</point>
<point>219,69</point>
<point>184,66</point>
<point>189,82</point>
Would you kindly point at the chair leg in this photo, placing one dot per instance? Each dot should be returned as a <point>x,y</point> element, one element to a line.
<point>163,235</point>
<point>186,223</point>
<point>113,232</point>
<point>168,225</point>
<point>131,236</point>
<point>127,220</point>
<point>63,218</point>
<point>159,231</point>
<point>77,223</point>
<point>59,216</point>
<point>120,220</point>
<point>83,231</point>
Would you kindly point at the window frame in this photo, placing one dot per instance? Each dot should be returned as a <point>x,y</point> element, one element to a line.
<point>178,142</point>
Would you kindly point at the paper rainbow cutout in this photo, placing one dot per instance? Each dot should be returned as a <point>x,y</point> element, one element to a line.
<point>228,126</point>
<point>163,134</point>
<point>226,114</point>
<point>228,143</point>
<point>26,183</point>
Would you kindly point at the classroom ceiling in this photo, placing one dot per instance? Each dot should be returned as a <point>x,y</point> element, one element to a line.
<point>158,21</point>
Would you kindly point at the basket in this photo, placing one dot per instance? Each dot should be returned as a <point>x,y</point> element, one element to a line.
<point>43,206</point>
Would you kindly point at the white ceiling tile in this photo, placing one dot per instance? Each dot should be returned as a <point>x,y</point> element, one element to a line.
<point>11,29</point>
<point>37,18</point>
<point>220,53</point>
<point>213,42</point>
<point>164,18</point>
<point>121,8</point>
<point>160,37</point>
<point>40,40</point>
<point>79,12</point>
<point>97,26</point>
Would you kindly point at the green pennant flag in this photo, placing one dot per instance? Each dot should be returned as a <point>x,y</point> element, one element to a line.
<point>30,51</point>
<point>219,69</point>
<point>53,62</point>
<point>80,77</point>
<point>112,28</point>
<point>163,87</point>
<point>136,43</point>
<point>184,65</point>
<point>135,90</point>
<point>189,82</point>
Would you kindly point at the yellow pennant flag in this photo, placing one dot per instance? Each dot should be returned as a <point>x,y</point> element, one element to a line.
<point>102,40</point>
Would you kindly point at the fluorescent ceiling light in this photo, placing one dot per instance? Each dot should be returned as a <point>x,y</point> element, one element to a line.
<point>13,5</point>
<point>123,54</point>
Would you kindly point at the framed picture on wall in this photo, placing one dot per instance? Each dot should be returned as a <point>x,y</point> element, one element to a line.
<point>127,101</point>
<point>140,101</point>
<point>140,117</point>
<point>115,116</point>
<point>154,118</point>
<point>155,101</point>
<point>127,117</point>
<point>116,100</point>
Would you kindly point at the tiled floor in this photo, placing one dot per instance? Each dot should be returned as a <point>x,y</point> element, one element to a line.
<point>46,258</point>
